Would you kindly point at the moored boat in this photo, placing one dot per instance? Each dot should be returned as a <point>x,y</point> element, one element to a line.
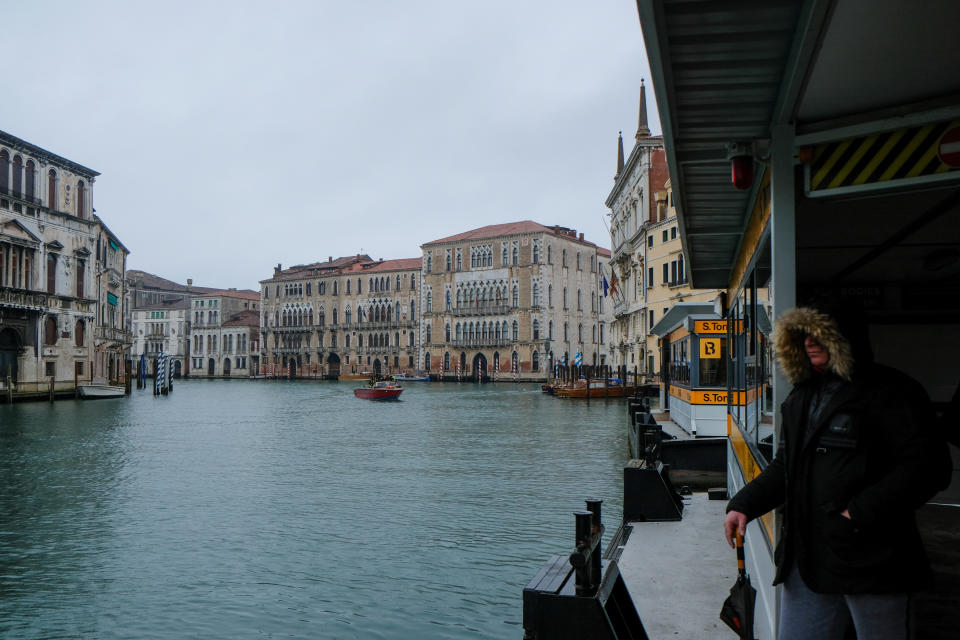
<point>382,390</point>
<point>418,376</point>
<point>609,388</point>
<point>354,376</point>
<point>99,391</point>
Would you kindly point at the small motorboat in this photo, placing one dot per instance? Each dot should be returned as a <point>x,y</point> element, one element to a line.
<point>419,376</point>
<point>382,390</point>
<point>609,388</point>
<point>99,391</point>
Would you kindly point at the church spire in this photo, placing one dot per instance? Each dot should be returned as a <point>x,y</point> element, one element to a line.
<point>643,131</point>
<point>619,155</point>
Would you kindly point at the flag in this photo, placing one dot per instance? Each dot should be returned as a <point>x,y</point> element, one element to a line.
<point>606,287</point>
<point>613,281</point>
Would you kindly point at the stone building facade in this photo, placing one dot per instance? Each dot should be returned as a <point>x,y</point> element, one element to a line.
<point>147,295</point>
<point>648,270</point>
<point>217,343</point>
<point>61,284</point>
<point>241,335</point>
<point>112,337</point>
<point>507,299</point>
<point>666,281</point>
<point>352,315</point>
<point>162,328</point>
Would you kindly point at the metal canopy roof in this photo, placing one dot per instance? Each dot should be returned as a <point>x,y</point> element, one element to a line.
<point>725,71</point>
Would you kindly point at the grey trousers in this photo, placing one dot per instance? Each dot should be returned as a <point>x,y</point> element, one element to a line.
<point>805,615</point>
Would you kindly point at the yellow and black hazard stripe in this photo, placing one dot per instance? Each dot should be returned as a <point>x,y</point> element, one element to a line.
<point>882,157</point>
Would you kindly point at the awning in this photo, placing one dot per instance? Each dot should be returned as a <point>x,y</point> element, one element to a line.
<point>728,72</point>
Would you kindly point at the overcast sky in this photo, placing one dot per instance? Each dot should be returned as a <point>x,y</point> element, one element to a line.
<point>235,136</point>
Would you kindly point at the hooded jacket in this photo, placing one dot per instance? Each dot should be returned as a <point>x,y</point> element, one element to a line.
<point>856,436</point>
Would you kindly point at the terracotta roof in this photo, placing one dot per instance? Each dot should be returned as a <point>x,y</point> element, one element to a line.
<point>299,271</point>
<point>243,294</point>
<point>182,303</point>
<point>399,264</point>
<point>494,230</point>
<point>246,318</point>
<point>511,228</point>
<point>603,252</point>
<point>152,281</point>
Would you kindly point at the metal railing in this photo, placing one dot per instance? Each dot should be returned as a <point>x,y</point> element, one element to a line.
<point>482,342</point>
<point>483,310</point>
<point>24,299</point>
<point>114,334</point>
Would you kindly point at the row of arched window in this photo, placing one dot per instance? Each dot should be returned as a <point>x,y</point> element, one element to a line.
<point>515,364</point>
<point>297,317</point>
<point>19,178</point>
<point>297,289</point>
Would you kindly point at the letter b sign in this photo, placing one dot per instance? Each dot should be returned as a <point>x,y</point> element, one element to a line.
<point>710,348</point>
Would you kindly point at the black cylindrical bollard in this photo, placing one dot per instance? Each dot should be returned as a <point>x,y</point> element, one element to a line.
<point>584,572</point>
<point>596,526</point>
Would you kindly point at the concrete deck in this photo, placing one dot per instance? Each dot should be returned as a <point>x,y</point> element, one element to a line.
<point>679,573</point>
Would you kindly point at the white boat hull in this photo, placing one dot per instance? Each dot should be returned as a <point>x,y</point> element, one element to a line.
<point>97,391</point>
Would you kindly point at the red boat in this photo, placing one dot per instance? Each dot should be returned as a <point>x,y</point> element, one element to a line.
<point>383,390</point>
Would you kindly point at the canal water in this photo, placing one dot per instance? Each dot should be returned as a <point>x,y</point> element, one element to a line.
<point>238,509</point>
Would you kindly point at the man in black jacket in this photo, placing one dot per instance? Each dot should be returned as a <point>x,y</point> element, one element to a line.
<point>857,455</point>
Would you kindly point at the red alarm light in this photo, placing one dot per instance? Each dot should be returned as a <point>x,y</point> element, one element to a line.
<point>741,171</point>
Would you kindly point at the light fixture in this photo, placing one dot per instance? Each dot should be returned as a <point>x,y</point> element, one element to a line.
<point>740,155</point>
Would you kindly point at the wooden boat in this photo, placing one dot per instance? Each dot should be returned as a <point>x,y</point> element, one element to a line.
<point>382,390</point>
<point>549,388</point>
<point>611,388</point>
<point>354,376</point>
<point>99,391</point>
<point>419,376</point>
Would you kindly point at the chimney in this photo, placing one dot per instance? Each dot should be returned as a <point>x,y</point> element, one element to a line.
<point>189,282</point>
<point>330,259</point>
<point>276,270</point>
<point>581,235</point>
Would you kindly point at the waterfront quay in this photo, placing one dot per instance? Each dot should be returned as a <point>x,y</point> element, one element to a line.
<point>236,509</point>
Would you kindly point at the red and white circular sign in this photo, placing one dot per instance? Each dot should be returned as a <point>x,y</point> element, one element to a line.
<point>949,149</point>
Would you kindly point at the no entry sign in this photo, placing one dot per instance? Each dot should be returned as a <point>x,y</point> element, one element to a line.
<point>949,150</point>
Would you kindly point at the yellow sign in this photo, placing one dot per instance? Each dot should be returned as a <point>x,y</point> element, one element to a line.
<point>708,397</point>
<point>709,348</point>
<point>709,326</point>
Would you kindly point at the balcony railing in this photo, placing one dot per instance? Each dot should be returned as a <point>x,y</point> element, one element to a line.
<point>23,299</point>
<point>19,195</point>
<point>113,334</point>
<point>483,310</point>
<point>482,342</point>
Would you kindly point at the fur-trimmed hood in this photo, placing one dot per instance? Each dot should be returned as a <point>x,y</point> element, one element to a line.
<point>789,332</point>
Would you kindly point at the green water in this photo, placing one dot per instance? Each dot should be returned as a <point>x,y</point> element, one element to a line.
<point>236,509</point>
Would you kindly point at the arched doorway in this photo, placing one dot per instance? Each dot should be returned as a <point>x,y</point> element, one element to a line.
<point>9,350</point>
<point>177,368</point>
<point>291,368</point>
<point>226,366</point>
<point>211,367</point>
<point>376,367</point>
<point>480,367</point>
<point>333,364</point>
